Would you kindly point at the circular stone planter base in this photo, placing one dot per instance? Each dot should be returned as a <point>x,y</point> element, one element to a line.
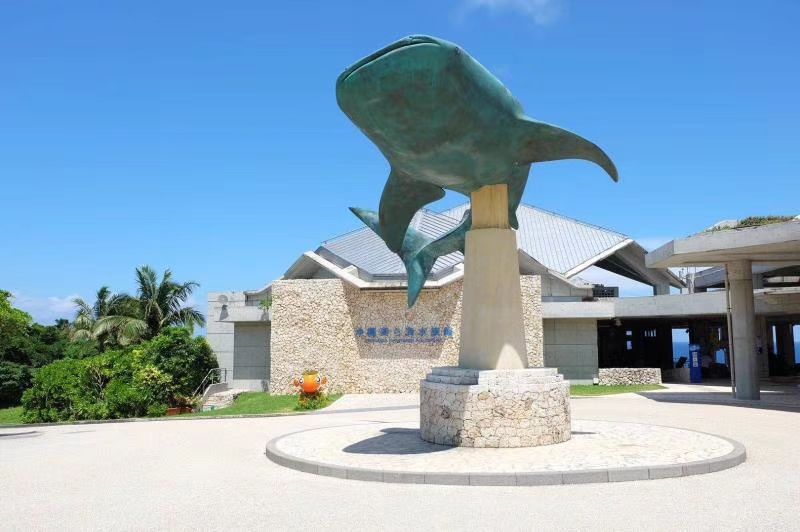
<point>599,451</point>
<point>494,408</point>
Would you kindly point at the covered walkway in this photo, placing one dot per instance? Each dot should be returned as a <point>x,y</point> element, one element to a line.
<point>739,250</point>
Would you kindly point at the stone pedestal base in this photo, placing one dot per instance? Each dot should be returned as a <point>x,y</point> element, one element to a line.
<point>494,408</point>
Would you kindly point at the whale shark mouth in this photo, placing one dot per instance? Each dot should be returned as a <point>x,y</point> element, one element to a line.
<point>413,40</point>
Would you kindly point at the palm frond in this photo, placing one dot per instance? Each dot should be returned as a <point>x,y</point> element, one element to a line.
<point>125,329</point>
<point>190,317</point>
<point>82,307</point>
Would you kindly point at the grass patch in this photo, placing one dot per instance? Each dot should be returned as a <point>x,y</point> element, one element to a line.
<point>11,415</point>
<point>590,389</point>
<point>260,403</point>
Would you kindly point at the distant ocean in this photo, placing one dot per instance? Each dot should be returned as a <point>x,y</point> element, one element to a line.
<point>681,349</point>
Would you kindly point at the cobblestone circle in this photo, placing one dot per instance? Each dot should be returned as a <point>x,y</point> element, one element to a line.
<point>599,451</point>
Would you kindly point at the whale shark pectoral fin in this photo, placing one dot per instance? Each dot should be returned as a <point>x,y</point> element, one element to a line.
<point>539,142</point>
<point>402,197</point>
<point>423,252</point>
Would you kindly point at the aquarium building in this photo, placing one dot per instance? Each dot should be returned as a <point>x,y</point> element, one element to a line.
<point>341,309</point>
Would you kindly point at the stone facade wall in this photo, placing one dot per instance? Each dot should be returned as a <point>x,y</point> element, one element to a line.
<point>629,376</point>
<point>359,338</point>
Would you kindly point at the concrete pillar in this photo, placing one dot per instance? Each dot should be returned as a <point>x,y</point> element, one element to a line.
<point>743,325</point>
<point>492,326</point>
<point>762,345</point>
<point>784,334</point>
<point>661,289</point>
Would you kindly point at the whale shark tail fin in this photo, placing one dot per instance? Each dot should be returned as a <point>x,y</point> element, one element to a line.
<point>540,142</point>
<point>423,252</point>
<point>419,252</point>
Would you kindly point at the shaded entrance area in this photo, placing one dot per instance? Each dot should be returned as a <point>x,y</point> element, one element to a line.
<point>648,343</point>
<point>740,250</point>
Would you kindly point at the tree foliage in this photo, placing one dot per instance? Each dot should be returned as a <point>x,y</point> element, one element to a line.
<point>130,382</point>
<point>14,380</point>
<point>158,304</point>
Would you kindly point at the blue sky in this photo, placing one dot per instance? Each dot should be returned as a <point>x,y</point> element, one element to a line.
<point>205,136</point>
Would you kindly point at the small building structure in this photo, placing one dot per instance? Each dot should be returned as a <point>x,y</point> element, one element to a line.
<point>342,309</point>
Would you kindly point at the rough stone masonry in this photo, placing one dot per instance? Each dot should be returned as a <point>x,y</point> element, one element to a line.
<point>315,324</point>
<point>494,408</point>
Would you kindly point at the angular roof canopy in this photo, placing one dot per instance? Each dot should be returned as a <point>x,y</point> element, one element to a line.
<point>548,242</point>
<point>777,243</point>
<point>562,244</point>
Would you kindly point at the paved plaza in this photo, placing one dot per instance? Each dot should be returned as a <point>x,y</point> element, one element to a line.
<point>213,474</point>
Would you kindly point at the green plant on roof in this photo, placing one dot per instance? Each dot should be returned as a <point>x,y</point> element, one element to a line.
<point>752,221</point>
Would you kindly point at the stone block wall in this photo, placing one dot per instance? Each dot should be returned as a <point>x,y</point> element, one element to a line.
<point>495,408</point>
<point>629,376</point>
<point>358,338</point>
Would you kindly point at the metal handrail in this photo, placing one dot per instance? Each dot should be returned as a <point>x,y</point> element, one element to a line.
<point>223,377</point>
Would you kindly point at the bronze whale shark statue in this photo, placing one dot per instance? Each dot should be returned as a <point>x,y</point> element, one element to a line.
<point>444,122</point>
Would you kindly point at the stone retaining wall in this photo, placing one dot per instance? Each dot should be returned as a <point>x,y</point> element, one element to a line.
<point>360,339</point>
<point>629,376</point>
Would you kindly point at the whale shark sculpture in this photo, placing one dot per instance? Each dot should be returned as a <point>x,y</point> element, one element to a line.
<point>444,122</point>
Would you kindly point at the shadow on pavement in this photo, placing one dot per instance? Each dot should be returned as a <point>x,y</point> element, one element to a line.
<point>395,440</point>
<point>786,400</point>
<point>26,434</point>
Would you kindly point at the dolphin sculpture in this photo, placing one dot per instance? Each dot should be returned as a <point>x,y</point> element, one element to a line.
<point>444,122</point>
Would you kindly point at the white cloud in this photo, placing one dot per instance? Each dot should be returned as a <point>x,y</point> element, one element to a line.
<point>542,12</point>
<point>45,310</point>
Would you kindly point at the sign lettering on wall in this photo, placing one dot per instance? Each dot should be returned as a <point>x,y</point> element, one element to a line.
<point>407,334</point>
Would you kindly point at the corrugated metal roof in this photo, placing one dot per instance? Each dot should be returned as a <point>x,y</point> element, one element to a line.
<point>558,242</point>
<point>366,251</point>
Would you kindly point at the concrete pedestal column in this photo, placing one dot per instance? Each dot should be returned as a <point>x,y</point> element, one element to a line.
<point>493,399</point>
<point>492,327</point>
<point>743,325</point>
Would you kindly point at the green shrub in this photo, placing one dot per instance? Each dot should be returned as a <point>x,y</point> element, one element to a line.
<point>124,399</point>
<point>186,359</point>
<point>81,349</point>
<point>58,393</point>
<point>14,379</point>
<point>312,401</point>
<point>142,381</point>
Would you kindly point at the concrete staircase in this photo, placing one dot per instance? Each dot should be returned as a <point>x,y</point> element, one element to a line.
<point>219,398</point>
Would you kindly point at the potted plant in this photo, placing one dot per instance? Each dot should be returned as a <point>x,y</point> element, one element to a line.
<point>183,405</point>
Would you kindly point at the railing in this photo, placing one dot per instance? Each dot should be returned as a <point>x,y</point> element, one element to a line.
<point>214,376</point>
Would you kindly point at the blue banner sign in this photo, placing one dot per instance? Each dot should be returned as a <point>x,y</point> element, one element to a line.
<point>407,334</point>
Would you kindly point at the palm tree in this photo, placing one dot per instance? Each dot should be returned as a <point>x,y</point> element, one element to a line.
<point>158,304</point>
<point>87,316</point>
